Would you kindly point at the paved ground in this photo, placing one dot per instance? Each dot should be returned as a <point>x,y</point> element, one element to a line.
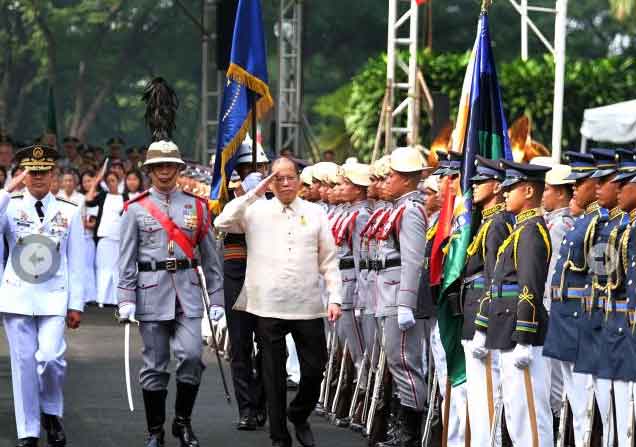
<point>97,413</point>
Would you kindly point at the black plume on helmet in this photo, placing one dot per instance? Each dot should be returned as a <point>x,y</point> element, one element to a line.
<point>161,109</point>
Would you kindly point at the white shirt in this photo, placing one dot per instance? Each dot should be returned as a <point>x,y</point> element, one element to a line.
<point>77,198</point>
<point>110,224</point>
<point>63,225</point>
<point>288,248</point>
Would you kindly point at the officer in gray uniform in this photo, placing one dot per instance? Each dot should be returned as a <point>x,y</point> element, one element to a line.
<point>353,180</point>
<point>166,234</point>
<point>401,270</point>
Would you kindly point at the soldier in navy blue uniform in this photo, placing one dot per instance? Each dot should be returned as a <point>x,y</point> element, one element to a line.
<point>618,357</point>
<point>588,353</point>
<point>568,290</point>
<point>495,227</point>
<point>512,318</point>
<point>627,202</point>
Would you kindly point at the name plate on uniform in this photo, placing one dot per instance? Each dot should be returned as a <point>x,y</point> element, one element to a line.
<point>35,258</point>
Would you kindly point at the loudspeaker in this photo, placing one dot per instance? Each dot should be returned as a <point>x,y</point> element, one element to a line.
<point>225,18</point>
<point>441,112</point>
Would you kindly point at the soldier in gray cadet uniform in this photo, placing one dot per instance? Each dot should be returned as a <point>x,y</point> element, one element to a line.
<point>353,180</point>
<point>167,234</point>
<point>401,270</point>
<point>38,297</point>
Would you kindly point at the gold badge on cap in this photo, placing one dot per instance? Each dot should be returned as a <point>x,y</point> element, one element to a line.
<point>38,153</point>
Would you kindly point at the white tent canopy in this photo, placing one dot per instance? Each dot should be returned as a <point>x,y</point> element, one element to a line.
<point>615,123</point>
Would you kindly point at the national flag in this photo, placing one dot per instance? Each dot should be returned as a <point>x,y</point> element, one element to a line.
<point>421,2</point>
<point>246,92</point>
<point>481,129</point>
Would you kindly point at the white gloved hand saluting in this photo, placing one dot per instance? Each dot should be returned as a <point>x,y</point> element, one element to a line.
<point>479,345</point>
<point>216,312</point>
<point>405,317</point>
<point>522,355</point>
<point>127,311</point>
<point>251,181</point>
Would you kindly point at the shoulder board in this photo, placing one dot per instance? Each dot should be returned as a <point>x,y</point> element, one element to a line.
<point>139,197</point>
<point>187,193</point>
<point>430,233</point>
<point>59,199</point>
<point>17,195</point>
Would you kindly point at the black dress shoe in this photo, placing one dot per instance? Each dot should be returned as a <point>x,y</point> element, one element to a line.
<point>155,439</point>
<point>54,429</point>
<point>281,444</point>
<point>182,430</point>
<point>291,385</point>
<point>304,434</point>
<point>27,442</point>
<point>261,418</point>
<point>246,423</point>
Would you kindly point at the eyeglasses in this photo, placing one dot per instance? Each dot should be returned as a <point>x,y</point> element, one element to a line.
<point>283,179</point>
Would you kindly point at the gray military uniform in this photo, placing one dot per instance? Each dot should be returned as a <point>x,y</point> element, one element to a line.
<point>402,259</point>
<point>169,305</point>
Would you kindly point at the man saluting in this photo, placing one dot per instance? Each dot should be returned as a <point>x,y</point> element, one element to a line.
<point>41,286</point>
<point>166,234</point>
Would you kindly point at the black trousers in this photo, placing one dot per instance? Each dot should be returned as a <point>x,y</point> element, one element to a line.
<point>241,326</point>
<point>311,345</point>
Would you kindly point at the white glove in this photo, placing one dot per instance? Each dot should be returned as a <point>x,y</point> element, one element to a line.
<point>357,313</point>
<point>251,181</point>
<point>406,319</point>
<point>127,312</point>
<point>478,344</point>
<point>522,355</point>
<point>216,312</point>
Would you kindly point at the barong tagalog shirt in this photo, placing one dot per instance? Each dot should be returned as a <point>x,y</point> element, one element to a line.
<point>288,248</point>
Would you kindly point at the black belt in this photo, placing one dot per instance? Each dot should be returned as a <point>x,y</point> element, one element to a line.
<point>346,264</point>
<point>170,265</point>
<point>378,264</point>
<point>363,264</point>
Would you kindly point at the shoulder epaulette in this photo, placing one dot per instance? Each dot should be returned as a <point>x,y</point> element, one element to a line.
<point>139,197</point>
<point>65,201</point>
<point>17,195</point>
<point>430,233</point>
<point>188,193</point>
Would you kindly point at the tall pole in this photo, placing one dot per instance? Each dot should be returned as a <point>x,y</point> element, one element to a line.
<point>390,76</point>
<point>412,92</point>
<point>524,30</point>
<point>560,29</point>
<point>204,85</point>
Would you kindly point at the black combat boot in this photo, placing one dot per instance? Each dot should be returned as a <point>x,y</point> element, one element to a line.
<point>155,405</point>
<point>27,442</point>
<point>410,427</point>
<point>54,429</point>
<point>181,427</point>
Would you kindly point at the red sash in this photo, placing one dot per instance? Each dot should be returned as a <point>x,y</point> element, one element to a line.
<point>390,223</point>
<point>370,222</point>
<point>345,228</point>
<point>174,232</point>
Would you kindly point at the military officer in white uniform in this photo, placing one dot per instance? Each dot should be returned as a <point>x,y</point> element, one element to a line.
<point>41,293</point>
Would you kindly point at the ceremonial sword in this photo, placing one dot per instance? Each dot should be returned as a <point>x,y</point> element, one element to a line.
<point>126,322</point>
<point>206,304</point>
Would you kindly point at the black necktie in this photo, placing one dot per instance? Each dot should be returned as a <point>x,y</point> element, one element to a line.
<point>38,208</point>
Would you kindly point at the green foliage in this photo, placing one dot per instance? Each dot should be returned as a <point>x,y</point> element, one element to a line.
<point>527,87</point>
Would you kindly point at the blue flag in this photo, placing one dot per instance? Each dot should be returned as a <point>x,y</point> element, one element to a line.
<point>246,92</point>
<point>481,130</point>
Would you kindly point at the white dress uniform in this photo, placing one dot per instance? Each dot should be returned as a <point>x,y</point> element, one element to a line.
<point>34,314</point>
<point>107,255</point>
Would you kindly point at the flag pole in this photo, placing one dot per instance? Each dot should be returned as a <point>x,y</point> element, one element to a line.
<point>485,4</point>
<point>253,107</point>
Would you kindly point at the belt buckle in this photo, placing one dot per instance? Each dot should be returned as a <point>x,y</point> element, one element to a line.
<point>171,264</point>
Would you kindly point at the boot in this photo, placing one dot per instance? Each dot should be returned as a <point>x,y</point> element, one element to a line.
<point>393,433</point>
<point>54,429</point>
<point>181,427</point>
<point>155,405</point>
<point>411,427</point>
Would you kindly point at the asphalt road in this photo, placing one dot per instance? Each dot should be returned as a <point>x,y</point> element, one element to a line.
<point>97,413</point>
